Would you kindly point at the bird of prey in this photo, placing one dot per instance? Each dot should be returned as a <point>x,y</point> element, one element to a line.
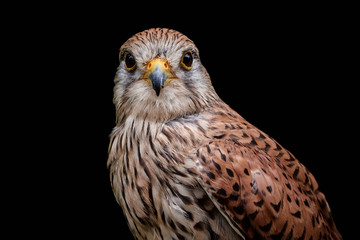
<point>184,165</point>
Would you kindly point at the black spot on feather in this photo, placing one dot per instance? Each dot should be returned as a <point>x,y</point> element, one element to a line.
<point>216,165</point>
<point>266,227</point>
<point>239,209</point>
<point>203,158</point>
<point>276,207</point>
<point>259,203</point>
<point>208,148</point>
<point>253,215</point>
<point>230,172</point>
<point>219,136</point>
<point>236,187</point>
<point>199,226</point>
<point>210,175</point>
<point>221,191</point>
<point>297,214</point>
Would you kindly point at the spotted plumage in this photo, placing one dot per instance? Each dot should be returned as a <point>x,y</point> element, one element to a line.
<point>184,165</point>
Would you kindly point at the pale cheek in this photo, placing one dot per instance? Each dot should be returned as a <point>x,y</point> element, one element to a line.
<point>118,90</point>
<point>140,91</point>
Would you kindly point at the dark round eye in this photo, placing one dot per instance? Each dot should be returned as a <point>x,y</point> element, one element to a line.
<point>187,60</point>
<point>130,62</point>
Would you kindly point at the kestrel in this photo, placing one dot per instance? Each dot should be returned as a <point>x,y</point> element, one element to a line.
<point>184,165</point>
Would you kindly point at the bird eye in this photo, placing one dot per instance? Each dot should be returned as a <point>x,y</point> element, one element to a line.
<point>130,62</point>
<point>187,60</point>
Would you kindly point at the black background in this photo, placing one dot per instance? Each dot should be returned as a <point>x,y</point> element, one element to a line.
<point>284,70</point>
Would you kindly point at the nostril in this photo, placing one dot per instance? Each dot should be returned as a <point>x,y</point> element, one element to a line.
<point>149,66</point>
<point>166,66</point>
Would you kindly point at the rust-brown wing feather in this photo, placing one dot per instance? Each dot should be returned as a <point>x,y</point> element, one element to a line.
<point>264,192</point>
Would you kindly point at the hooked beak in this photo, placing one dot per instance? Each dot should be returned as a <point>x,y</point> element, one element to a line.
<point>158,74</point>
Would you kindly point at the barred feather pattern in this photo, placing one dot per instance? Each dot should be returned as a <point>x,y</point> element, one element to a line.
<point>184,165</point>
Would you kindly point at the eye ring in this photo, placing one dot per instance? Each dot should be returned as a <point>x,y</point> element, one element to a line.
<point>130,62</point>
<point>187,60</point>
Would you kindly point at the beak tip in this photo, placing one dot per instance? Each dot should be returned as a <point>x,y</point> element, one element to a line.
<point>158,79</point>
<point>157,91</point>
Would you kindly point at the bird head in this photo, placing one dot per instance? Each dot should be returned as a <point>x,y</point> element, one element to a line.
<point>160,77</point>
